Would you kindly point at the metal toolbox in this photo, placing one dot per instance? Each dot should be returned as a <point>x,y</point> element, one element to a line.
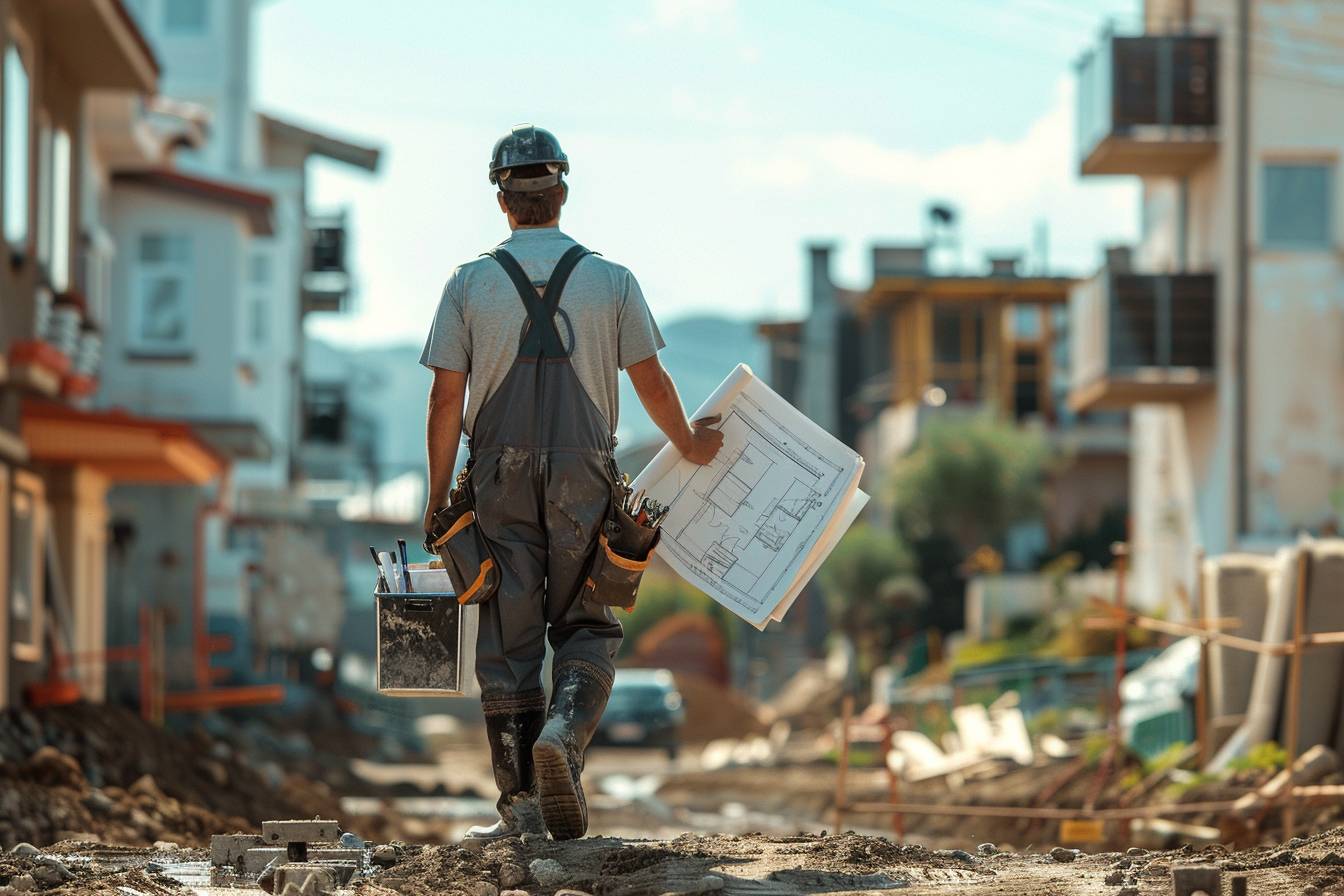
<point>426,641</point>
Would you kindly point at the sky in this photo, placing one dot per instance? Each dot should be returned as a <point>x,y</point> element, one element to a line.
<point>710,140</point>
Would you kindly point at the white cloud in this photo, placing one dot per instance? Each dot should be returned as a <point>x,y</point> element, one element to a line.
<point>1001,186</point>
<point>696,15</point>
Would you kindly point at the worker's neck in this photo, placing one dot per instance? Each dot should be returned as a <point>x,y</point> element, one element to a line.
<point>514,225</point>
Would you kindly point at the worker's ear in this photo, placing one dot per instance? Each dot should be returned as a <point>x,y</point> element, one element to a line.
<point>564,196</point>
<point>499,197</point>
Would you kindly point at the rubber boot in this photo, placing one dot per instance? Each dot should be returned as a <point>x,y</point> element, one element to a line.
<point>580,694</point>
<point>511,735</point>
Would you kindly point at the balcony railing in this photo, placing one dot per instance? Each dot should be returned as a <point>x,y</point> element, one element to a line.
<point>326,281</point>
<point>1148,105</point>
<point>1142,338</point>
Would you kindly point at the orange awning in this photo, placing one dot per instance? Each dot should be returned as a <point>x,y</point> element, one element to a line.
<point>124,447</point>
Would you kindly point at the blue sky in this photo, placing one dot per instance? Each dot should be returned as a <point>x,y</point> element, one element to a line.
<point>710,139</point>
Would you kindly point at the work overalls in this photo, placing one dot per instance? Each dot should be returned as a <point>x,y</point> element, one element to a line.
<point>543,473</point>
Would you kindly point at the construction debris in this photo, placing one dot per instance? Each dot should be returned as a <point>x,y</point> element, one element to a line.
<point>1310,767</point>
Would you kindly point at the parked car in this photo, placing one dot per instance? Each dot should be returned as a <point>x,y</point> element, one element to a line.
<point>645,710</point>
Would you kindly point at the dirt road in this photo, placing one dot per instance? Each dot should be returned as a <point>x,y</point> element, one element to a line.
<point>750,865</point>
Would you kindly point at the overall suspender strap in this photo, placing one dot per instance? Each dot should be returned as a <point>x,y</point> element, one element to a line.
<point>543,339</point>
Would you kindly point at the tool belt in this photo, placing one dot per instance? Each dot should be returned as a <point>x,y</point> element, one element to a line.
<point>624,549</point>
<point>457,539</point>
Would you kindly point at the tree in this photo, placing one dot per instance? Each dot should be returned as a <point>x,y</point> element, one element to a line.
<point>870,592</point>
<point>970,479</point>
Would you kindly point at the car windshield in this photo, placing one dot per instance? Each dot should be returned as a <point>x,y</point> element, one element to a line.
<point>637,695</point>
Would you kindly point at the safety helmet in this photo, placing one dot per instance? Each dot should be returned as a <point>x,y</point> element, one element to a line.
<point>526,145</point>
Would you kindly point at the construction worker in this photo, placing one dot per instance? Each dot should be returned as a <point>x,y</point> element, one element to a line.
<point>541,415</point>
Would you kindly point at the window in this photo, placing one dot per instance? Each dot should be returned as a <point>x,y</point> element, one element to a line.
<point>259,268</point>
<point>59,258</point>
<point>1297,206</point>
<point>257,321</point>
<point>27,527</point>
<point>53,234</point>
<point>162,313</point>
<point>258,281</point>
<point>95,272</point>
<point>958,346</point>
<point>185,16</point>
<point>17,126</point>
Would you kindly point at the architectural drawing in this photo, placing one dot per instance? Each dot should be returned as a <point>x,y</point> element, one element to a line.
<point>743,527</point>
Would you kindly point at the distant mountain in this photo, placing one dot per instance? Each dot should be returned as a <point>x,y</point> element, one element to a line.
<point>700,352</point>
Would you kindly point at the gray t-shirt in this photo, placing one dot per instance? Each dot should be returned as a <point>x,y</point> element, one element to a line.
<point>480,321</point>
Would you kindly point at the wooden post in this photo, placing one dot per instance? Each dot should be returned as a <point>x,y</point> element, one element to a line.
<point>1202,670</point>
<point>893,783</point>
<point>1295,683</point>
<point>842,768</point>
<point>146,671</point>
<point>1121,552</point>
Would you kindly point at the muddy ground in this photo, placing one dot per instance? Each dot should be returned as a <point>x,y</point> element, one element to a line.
<point>752,865</point>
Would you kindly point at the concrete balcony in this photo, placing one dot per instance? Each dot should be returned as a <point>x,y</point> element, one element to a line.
<point>1142,338</point>
<point>1148,105</point>
<point>326,280</point>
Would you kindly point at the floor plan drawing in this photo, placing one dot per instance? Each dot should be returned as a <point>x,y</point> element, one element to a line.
<point>741,527</point>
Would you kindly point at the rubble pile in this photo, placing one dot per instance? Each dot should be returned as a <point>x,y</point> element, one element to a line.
<point>103,774</point>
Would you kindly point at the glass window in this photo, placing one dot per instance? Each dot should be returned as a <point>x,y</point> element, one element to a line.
<point>59,259</point>
<point>257,321</point>
<point>1026,322</point>
<point>185,16</point>
<point>259,269</point>
<point>947,347</point>
<point>162,311</point>
<point>1297,206</point>
<point>17,126</point>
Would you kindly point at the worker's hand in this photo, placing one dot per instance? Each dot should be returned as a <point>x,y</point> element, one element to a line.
<point>705,442</point>
<point>430,510</point>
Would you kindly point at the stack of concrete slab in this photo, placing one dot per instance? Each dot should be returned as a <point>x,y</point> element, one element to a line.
<point>302,856</point>
<point>1236,586</point>
<point>1320,720</point>
<point>1261,593</point>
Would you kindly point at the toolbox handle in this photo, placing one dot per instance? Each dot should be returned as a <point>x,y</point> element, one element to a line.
<point>419,606</point>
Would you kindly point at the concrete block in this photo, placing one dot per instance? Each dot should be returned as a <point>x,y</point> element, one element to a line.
<point>230,850</point>
<point>306,877</point>
<point>256,859</point>
<point>1197,880</point>
<point>279,833</point>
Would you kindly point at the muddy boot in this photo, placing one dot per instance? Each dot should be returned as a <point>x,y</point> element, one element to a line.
<point>580,695</point>
<point>511,733</point>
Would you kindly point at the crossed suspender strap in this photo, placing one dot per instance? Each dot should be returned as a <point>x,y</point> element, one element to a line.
<point>542,338</point>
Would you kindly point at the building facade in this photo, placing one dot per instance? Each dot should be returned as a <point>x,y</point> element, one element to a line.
<point>62,66</point>
<point>223,258</point>
<point>1222,331</point>
<point>874,365</point>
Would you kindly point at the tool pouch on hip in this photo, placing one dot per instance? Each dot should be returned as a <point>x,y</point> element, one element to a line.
<point>457,539</point>
<point>624,549</point>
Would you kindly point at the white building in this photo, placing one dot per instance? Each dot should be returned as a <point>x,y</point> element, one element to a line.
<point>1223,330</point>
<point>220,261</point>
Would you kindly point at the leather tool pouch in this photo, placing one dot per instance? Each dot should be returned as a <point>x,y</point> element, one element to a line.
<point>624,549</point>
<point>457,539</point>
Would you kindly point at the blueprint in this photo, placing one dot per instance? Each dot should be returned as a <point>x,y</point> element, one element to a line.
<point>750,528</point>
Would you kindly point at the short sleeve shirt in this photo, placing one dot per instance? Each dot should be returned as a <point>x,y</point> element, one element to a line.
<point>603,321</point>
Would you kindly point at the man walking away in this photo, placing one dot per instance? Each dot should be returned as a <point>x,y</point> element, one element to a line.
<point>539,328</point>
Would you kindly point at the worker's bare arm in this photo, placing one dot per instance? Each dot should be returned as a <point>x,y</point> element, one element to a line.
<point>443,431</point>
<point>694,441</point>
